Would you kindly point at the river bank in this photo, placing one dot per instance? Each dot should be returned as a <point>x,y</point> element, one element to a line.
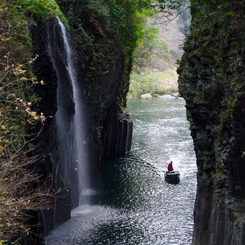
<point>153,82</point>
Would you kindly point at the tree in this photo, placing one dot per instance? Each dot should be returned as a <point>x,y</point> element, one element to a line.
<point>150,48</point>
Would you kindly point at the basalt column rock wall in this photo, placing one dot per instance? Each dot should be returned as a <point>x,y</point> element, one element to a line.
<point>211,80</point>
<point>103,85</point>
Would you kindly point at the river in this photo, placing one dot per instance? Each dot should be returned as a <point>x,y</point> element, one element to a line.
<point>130,202</point>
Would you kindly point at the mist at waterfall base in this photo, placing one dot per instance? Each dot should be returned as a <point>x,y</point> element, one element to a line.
<point>131,202</point>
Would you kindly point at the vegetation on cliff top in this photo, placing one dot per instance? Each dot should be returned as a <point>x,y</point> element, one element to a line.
<point>42,9</point>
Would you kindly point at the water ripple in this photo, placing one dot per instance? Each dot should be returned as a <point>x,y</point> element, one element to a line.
<point>133,204</point>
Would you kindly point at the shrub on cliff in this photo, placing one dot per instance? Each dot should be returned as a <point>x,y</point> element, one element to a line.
<point>21,190</point>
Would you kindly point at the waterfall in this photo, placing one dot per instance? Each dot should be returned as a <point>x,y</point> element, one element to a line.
<point>78,142</point>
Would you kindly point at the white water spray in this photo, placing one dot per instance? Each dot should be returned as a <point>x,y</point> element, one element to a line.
<point>79,142</point>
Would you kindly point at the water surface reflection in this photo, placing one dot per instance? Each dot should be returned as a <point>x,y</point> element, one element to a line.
<point>132,203</point>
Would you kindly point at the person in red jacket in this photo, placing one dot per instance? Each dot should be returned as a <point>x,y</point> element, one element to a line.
<point>170,166</point>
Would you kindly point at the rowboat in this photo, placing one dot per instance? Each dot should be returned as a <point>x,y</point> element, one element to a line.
<point>172,176</point>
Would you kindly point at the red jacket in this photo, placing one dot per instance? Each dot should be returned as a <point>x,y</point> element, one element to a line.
<point>170,167</point>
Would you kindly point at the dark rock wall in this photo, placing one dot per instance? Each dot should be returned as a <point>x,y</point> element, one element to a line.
<point>56,162</point>
<point>104,79</point>
<point>108,128</point>
<point>211,80</point>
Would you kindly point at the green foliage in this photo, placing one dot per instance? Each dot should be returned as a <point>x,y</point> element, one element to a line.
<point>226,113</point>
<point>217,176</point>
<point>150,48</point>
<point>105,29</point>
<point>128,19</point>
<point>42,9</point>
<point>17,181</point>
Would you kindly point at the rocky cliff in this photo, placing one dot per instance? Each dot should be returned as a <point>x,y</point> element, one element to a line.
<point>103,79</point>
<point>211,80</point>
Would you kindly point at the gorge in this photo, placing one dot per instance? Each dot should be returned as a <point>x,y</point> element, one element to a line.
<point>86,68</point>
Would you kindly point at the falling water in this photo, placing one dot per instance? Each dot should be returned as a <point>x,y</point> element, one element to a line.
<point>79,142</point>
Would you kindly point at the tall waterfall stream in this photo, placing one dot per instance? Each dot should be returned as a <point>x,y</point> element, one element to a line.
<point>76,139</point>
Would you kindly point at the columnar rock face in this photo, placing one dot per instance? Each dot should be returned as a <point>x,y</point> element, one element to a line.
<point>212,83</point>
<point>103,86</point>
